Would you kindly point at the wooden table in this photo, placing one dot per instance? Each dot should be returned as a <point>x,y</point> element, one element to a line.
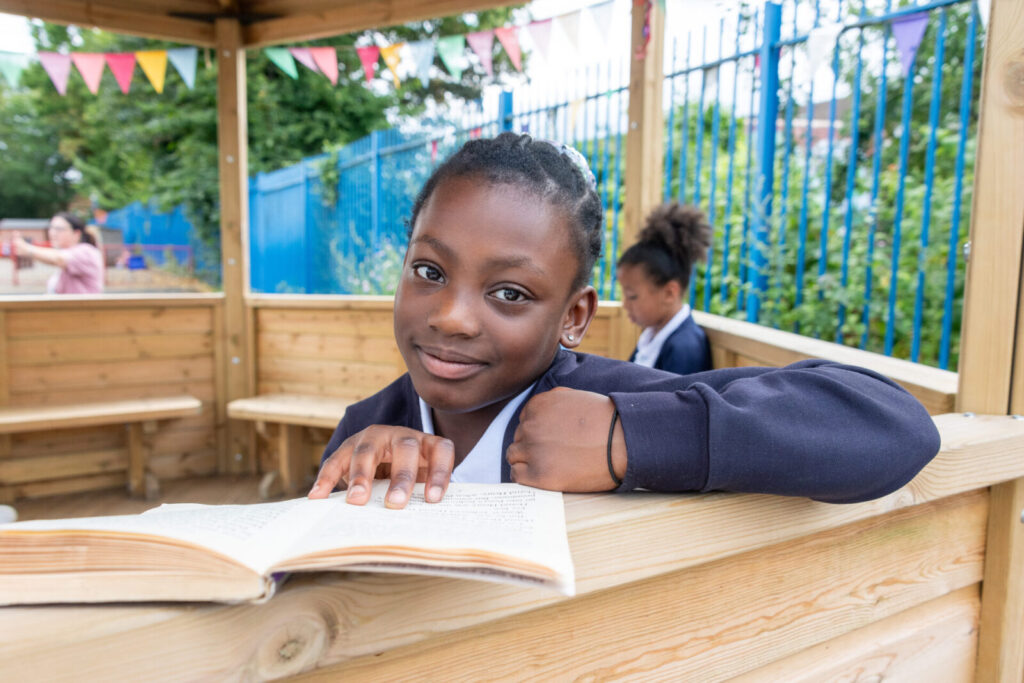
<point>681,587</point>
<point>139,415</point>
<point>287,415</point>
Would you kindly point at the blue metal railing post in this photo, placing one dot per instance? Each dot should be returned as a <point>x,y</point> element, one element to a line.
<point>375,145</point>
<point>505,113</point>
<point>767,115</point>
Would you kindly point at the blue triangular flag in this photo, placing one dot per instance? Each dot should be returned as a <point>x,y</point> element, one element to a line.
<point>184,61</point>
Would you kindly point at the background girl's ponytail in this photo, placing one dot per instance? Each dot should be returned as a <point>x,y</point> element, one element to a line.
<point>673,239</point>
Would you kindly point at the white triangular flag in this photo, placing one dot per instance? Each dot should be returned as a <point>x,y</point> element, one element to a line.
<point>821,42</point>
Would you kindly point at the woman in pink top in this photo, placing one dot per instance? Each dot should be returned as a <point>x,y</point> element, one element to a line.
<point>75,250</point>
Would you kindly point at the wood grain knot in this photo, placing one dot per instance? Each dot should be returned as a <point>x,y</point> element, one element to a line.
<point>292,647</point>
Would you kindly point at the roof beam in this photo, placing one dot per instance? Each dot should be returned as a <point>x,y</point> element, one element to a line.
<point>347,16</point>
<point>115,18</point>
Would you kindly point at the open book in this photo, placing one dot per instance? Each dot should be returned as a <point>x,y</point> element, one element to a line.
<point>233,553</point>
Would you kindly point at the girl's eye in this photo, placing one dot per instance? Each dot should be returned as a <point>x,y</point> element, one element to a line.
<point>427,272</point>
<point>511,295</point>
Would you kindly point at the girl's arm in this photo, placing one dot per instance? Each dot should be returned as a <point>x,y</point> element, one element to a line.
<point>55,257</point>
<point>832,432</point>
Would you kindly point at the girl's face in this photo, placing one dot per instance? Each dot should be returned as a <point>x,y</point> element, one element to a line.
<point>62,235</point>
<point>647,304</point>
<point>484,298</point>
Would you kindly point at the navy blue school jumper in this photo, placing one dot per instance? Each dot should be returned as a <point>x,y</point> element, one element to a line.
<point>831,432</point>
<point>685,351</point>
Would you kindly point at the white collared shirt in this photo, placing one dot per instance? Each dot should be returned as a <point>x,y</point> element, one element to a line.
<point>483,464</point>
<point>648,347</point>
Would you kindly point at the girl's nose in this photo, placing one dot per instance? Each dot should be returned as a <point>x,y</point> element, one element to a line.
<point>455,315</point>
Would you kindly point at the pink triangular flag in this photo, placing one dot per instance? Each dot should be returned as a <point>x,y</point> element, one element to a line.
<point>908,32</point>
<point>122,65</point>
<point>482,43</point>
<point>368,56</point>
<point>540,32</point>
<point>58,67</point>
<point>90,65</point>
<point>303,57</point>
<point>327,59</point>
<point>509,40</point>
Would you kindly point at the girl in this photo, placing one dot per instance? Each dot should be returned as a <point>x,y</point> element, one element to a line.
<point>492,299</point>
<point>655,276</point>
<point>75,249</point>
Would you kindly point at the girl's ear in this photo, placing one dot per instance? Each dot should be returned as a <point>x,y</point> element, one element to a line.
<point>582,307</point>
<point>673,291</point>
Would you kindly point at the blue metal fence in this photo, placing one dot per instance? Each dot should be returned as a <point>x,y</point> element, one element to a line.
<point>838,220</point>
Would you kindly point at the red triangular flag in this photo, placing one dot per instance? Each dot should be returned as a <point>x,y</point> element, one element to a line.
<point>122,65</point>
<point>482,43</point>
<point>509,39</point>
<point>90,65</point>
<point>368,56</point>
<point>327,59</point>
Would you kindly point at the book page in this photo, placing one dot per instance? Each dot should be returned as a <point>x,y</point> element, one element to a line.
<point>507,519</point>
<point>232,530</point>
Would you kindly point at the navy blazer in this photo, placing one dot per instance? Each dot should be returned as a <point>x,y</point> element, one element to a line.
<point>832,432</point>
<point>685,351</point>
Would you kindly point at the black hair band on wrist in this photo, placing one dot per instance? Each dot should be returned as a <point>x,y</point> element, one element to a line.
<point>611,432</point>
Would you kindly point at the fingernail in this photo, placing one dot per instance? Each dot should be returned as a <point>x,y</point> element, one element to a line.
<point>434,494</point>
<point>356,490</point>
<point>396,497</point>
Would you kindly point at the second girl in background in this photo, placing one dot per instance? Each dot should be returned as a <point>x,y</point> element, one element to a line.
<point>655,276</point>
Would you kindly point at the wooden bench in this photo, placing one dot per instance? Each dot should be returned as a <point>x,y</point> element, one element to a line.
<point>288,415</point>
<point>139,415</point>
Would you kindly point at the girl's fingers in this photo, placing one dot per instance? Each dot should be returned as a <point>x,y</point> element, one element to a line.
<point>405,462</point>
<point>440,460</point>
<point>332,472</point>
<point>366,455</point>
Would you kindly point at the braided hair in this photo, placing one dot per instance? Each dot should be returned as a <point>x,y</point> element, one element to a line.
<point>673,239</point>
<point>552,172</point>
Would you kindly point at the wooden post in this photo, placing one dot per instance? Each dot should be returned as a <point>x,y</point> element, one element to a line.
<point>644,140</point>
<point>992,328</point>
<point>232,143</point>
<point>5,393</point>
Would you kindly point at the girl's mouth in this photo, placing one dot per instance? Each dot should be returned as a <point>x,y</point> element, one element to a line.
<point>448,366</point>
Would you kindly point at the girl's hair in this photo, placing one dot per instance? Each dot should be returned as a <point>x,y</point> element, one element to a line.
<point>554,172</point>
<point>672,240</point>
<point>78,225</point>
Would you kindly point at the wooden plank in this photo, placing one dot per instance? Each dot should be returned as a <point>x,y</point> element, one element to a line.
<point>65,441</point>
<point>100,322</point>
<point>997,219</point>
<point>201,389</point>
<point>334,302</point>
<point>89,348</point>
<point>935,641</point>
<point>233,164</point>
<point>299,370</point>
<point>329,322</point>
<point>347,16</point>
<point>349,392</point>
<point>311,411</point>
<point>315,346</point>
<point>38,378</point>
<point>220,375</point>
<point>177,465</point>
<point>56,417</point>
<point>60,487</point>
<point>291,462</point>
<point>1001,638</point>
<point>118,19</point>
<point>761,345</point>
<point>49,467</point>
<point>111,301</point>
<point>5,439</point>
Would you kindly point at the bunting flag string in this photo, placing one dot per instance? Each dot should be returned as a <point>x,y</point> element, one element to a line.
<point>417,57</point>
<point>908,32</point>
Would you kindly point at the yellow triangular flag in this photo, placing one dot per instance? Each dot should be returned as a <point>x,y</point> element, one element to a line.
<point>154,65</point>
<point>391,57</point>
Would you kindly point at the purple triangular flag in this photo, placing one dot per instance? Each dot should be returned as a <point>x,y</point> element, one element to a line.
<point>908,32</point>
<point>304,57</point>
<point>58,67</point>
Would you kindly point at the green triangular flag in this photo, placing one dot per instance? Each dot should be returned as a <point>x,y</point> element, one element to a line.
<point>452,50</point>
<point>283,59</point>
<point>11,66</point>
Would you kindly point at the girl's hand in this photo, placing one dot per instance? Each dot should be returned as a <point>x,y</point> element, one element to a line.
<point>21,247</point>
<point>561,442</point>
<point>409,455</point>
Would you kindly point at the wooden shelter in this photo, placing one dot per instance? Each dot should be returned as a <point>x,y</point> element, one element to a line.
<point>924,584</point>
